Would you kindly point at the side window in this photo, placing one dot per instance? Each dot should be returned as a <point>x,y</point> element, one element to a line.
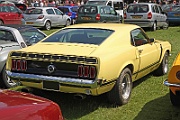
<point>138,37</point>
<point>160,9</point>
<point>113,12</point>
<point>13,9</point>
<point>156,8</point>
<point>102,10</point>
<point>153,9</point>
<point>118,5</point>
<point>58,12</point>
<point>4,9</point>
<point>107,10</point>
<point>50,11</point>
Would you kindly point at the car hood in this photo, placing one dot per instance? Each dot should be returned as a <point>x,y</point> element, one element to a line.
<point>62,48</point>
<point>8,43</point>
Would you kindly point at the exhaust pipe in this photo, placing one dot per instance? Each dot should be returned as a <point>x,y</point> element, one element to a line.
<point>79,96</point>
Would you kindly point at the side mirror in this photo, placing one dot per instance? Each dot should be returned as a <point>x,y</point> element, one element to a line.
<point>151,40</point>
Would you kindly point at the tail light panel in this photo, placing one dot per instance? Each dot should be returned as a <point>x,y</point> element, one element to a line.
<point>149,16</point>
<point>98,17</point>
<point>69,14</point>
<point>85,71</point>
<point>125,16</point>
<point>19,65</point>
<point>41,17</point>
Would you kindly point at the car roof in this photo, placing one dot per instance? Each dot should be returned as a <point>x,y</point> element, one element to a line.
<point>143,3</point>
<point>67,6</point>
<point>110,26</point>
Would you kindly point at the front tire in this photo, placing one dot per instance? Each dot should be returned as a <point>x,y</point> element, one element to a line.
<point>175,100</point>
<point>6,81</point>
<point>121,92</point>
<point>164,66</point>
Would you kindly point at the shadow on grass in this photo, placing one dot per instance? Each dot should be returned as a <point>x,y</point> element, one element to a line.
<point>159,109</point>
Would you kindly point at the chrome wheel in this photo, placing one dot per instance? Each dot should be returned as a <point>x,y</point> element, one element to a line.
<point>126,86</point>
<point>47,25</point>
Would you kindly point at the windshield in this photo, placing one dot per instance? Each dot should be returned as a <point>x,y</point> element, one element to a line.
<point>80,35</point>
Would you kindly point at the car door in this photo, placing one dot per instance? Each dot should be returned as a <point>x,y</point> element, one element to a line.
<point>163,16</point>
<point>5,15</point>
<point>15,14</point>
<point>114,17</point>
<point>61,17</point>
<point>157,15</point>
<point>52,17</point>
<point>106,15</point>
<point>148,52</point>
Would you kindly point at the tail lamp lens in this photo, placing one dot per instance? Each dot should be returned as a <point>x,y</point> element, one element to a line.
<point>98,17</point>
<point>41,17</point>
<point>149,16</point>
<point>125,16</point>
<point>19,65</point>
<point>86,71</point>
<point>69,13</point>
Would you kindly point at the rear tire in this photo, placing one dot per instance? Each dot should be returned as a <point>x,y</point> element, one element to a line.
<point>164,66</point>
<point>68,23</point>
<point>47,25</point>
<point>6,82</point>
<point>154,27</point>
<point>121,92</point>
<point>175,100</point>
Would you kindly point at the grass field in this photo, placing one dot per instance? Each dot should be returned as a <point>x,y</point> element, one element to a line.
<point>149,99</point>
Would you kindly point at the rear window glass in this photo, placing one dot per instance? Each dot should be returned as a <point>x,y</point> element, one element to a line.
<point>96,2</point>
<point>88,9</point>
<point>33,11</point>
<point>138,9</point>
<point>85,36</point>
<point>64,10</point>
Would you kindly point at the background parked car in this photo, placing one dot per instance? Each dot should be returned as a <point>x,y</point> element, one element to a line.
<point>46,17</point>
<point>70,11</point>
<point>10,14</point>
<point>146,15</point>
<point>13,37</point>
<point>24,106</point>
<point>173,16</point>
<point>97,13</point>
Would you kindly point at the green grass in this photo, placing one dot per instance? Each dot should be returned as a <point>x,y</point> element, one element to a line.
<point>149,99</point>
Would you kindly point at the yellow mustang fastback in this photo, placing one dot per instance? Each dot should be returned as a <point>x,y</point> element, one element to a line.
<point>90,59</point>
<point>174,82</point>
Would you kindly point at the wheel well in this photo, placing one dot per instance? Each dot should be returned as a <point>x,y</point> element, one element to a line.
<point>131,67</point>
<point>1,20</point>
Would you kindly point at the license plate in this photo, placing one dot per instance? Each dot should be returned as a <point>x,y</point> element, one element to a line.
<point>176,14</point>
<point>29,22</point>
<point>86,18</point>
<point>50,85</point>
<point>136,17</point>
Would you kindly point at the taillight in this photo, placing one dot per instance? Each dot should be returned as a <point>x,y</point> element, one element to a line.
<point>98,17</point>
<point>149,16</point>
<point>69,13</point>
<point>76,15</point>
<point>41,17</point>
<point>86,71</point>
<point>125,16</point>
<point>19,65</point>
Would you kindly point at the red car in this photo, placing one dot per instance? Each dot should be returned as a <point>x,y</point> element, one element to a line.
<point>24,106</point>
<point>10,14</point>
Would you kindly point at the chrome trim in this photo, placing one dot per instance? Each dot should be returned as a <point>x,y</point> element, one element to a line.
<point>166,83</point>
<point>71,81</point>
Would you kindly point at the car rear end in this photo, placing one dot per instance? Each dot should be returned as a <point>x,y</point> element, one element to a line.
<point>174,15</point>
<point>88,13</point>
<point>139,14</point>
<point>34,16</point>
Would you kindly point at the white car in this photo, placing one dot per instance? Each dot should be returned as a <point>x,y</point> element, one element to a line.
<point>146,15</point>
<point>46,17</point>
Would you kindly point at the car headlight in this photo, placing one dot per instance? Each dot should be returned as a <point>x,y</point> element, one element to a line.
<point>178,75</point>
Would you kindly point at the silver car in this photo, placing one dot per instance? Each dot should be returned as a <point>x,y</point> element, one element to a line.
<point>146,15</point>
<point>46,17</point>
<point>13,37</point>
